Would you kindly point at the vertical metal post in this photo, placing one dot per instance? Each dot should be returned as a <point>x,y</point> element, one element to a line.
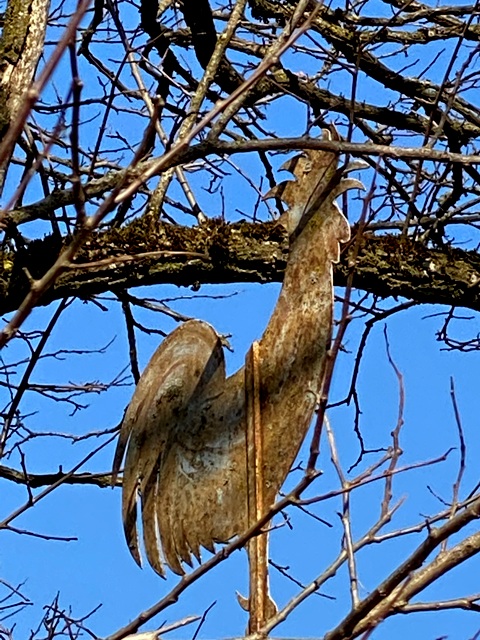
<point>260,605</point>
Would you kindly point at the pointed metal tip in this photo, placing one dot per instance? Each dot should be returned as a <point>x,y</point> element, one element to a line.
<point>277,190</point>
<point>243,602</point>
<point>290,164</point>
<point>356,165</point>
<point>345,185</point>
<point>135,554</point>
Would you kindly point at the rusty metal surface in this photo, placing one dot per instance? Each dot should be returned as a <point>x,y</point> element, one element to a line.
<point>259,604</point>
<point>185,429</point>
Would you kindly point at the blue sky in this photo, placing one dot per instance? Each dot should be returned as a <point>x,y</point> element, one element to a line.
<point>98,568</point>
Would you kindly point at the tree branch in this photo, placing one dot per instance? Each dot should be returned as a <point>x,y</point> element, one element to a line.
<point>35,480</point>
<point>218,253</point>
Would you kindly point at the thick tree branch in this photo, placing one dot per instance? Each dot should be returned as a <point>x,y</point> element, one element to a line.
<point>216,252</point>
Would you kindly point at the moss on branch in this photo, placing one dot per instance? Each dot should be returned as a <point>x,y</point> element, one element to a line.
<point>143,254</point>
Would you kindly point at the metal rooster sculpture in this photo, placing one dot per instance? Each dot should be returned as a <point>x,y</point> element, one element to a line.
<point>186,429</point>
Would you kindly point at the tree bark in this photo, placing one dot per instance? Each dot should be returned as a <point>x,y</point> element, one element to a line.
<point>219,253</point>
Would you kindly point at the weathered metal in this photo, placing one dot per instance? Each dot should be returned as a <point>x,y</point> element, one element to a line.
<point>185,430</point>
<point>259,604</point>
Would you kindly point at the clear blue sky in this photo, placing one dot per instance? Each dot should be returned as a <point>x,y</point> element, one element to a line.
<point>98,568</point>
